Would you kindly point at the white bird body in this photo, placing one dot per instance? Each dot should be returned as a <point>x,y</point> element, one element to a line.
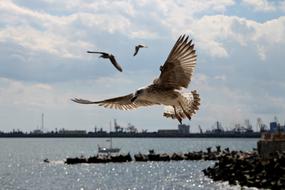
<point>166,90</point>
<point>171,98</point>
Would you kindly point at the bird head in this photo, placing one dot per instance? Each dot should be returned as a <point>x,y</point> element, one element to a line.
<point>103,56</point>
<point>138,93</point>
<point>142,46</point>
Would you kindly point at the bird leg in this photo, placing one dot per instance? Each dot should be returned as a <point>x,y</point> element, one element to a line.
<point>177,116</point>
<point>185,112</point>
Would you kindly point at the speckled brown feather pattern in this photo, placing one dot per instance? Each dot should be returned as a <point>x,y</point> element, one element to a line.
<point>178,68</point>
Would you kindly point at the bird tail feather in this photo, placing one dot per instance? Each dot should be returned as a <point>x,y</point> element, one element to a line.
<point>190,103</point>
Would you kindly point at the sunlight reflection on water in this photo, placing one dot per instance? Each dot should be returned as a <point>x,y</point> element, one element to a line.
<point>22,166</point>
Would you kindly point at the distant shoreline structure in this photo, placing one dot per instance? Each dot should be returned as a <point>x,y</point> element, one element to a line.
<point>135,135</point>
<point>182,131</point>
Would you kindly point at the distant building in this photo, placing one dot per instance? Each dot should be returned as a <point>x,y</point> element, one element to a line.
<point>72,132</point>
<point>37,131</point>
<point>273,126</point>
<point>184,129</point>
<point>276,127</point>
<point>168,131</point>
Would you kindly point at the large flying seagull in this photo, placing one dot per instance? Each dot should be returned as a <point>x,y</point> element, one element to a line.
<point>167,89</point>
<point>108,56</point>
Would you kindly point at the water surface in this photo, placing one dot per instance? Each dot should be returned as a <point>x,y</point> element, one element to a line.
<point>22,167</point>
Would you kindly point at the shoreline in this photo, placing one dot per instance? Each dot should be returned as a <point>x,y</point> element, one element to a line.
<point>138,135</point>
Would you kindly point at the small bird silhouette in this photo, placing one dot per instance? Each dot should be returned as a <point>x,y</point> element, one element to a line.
<point>108,56</point>
<point>138,47</point>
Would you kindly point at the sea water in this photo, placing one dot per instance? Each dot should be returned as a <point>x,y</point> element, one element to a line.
<point>22,166</point>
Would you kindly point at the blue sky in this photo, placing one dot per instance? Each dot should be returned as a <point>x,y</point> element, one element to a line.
<point>43,61</point>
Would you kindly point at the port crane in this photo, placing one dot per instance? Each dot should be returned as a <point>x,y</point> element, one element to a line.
<point>200,129</point>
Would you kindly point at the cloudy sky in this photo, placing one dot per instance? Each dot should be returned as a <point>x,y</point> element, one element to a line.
<point>43,60</point>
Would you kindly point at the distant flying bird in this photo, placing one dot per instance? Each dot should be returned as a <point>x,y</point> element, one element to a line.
<point>108,56</point>
<point>167,89</point>
<point>138,47</point>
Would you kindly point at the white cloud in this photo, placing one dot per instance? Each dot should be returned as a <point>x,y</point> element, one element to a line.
<point>18,93</point>
<point>261,5</point>
<point>261,52</point>
<point>220,103</point>
<point>276,102</point>
<point>185,7</point>
<point>116,8</point>
<point>45,41</point>
<point>231,105</point>
<point>59,34</point>
<point>282,6</point>
<point>267,35</point>
<point>212,32</point>
<point>40,31</point>
<point>143,34</point>
<point>220,77</point>
<point>67,35</point>
<point>271,32</point>
<point>116,80</point>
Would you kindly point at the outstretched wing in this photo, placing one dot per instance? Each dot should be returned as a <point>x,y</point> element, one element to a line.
<point>99,52</point>
<point>178,68</point>
<point>138,47</point>
<point>114,62</point>
<point>122,102</point>
<point>136,50</point>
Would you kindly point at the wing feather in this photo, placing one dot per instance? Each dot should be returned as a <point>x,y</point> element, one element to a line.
<point>121,102</point>
<point>179,65</point>
<point>101,52</point>
<point>115,63</point>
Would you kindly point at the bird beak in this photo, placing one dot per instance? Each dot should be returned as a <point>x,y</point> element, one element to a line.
<point>133,98</point>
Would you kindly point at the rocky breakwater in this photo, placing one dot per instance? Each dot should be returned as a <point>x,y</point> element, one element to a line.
<point>249,169</point>
<point>100,159</point>
<point>199,155</point>
<point>151,156</point>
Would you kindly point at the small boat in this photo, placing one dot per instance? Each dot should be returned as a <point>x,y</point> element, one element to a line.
<point>109,150</point>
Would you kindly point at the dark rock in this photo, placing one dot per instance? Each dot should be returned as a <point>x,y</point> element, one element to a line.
<point>141,157</point>
<point>153,157</point>
<point>128,157</point>
<point>218,149</point>
<point>227,150</point>
<point>193,156</point>
<point>121,158</point>
<point>46,160</point>
<point>75,160</point>
<point>248,169</point>
<point>209,150</point>
<point>98,159</point>
<point>177,157</point>
<point>164,157</point>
